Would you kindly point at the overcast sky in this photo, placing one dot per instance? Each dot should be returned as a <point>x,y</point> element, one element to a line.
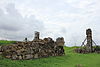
<point>53,18</point>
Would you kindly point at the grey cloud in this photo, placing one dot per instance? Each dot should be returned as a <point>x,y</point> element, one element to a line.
<point>1,12</point>
<point>9,28</point>
<point>16,27</point>
<point>58,13</point>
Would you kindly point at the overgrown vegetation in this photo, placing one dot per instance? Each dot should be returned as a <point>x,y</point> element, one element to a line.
<point>70,59</point>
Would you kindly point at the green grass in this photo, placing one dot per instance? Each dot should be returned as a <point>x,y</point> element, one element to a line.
<point>70,59</point>
<point>4,42</point>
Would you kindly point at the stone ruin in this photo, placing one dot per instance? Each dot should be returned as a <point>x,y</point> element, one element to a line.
<point>37,35</point>
<point>38,48</point>
<point>88,47</point>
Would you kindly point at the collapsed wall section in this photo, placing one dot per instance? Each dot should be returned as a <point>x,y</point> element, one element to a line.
<point>37,48</point>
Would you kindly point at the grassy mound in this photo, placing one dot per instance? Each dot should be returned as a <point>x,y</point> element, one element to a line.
<point>70,59</point>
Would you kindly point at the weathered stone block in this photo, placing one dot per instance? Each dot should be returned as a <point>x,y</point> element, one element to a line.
<point>60,41</point>
<point>29,56</point>
<point>36,56</point>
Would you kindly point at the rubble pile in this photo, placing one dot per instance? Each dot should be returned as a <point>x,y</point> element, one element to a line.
<point>37,48</point>
<point>83,50</point>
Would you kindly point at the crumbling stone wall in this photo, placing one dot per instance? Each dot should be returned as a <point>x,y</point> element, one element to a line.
<point>37,48</point>
<point>37,34</point>
<point>88,47</point>
<point>89,44</point>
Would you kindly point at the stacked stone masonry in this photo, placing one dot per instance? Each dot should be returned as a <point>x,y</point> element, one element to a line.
<point>37,48</point>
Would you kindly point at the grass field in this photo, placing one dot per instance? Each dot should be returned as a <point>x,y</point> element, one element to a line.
<point>4,42</point>
<point>70,59</point>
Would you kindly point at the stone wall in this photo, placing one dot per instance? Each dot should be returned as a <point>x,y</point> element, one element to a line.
<point>34,49</point>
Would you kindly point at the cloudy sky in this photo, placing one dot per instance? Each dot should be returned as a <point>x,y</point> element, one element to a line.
<point>53,18</point>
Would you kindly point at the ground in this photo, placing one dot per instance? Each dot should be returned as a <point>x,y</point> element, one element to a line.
<point>70,59</point>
